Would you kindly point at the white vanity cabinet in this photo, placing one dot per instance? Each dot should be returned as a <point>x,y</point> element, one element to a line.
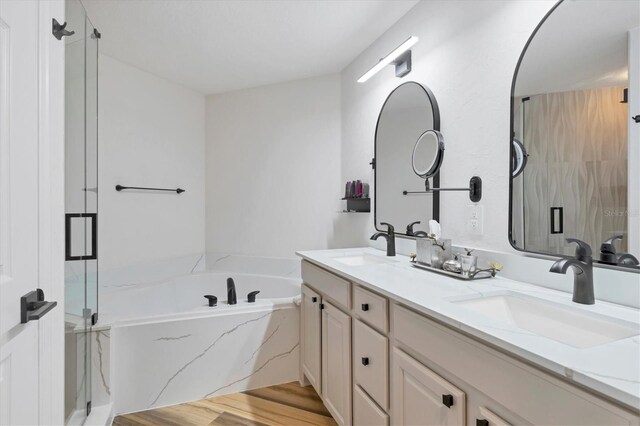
<point>383,363</point>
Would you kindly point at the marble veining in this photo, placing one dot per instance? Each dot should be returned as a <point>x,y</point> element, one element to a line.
<point>256,371</point>
<point>172,338</point>
<point>229,351</point>
<point>203,353</point>
<point>263,343</point>
<point>101,363</point>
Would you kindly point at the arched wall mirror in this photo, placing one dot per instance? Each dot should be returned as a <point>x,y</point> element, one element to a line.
<point>575,162</point>
<point>408,149</point>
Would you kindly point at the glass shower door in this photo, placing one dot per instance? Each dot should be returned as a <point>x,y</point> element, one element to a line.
<point>81,203</point>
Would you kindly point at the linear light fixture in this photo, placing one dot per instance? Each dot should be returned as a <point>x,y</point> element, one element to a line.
<point>400,57</point>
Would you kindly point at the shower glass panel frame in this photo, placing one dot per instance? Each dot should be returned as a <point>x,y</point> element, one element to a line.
<point>81,208</point>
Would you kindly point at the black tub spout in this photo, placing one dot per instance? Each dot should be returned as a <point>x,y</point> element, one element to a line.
<point>231,292</point>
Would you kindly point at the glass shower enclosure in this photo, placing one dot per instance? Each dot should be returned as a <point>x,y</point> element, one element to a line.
<point>81,208</point>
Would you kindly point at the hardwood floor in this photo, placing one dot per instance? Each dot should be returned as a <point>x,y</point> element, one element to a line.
<point>287,404</point>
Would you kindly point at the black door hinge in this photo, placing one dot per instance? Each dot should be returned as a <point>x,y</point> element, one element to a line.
<point>322,306</point>
<point>94,319</point>
<point>96,34</point>
<point>88,407</point>
<point>373,163</point>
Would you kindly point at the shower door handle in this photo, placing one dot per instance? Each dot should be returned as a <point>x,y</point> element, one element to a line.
<point>94,236</point>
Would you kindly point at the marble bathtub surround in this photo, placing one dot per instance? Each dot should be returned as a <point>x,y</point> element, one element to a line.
<point>610,369</point>
<point>169,362</point>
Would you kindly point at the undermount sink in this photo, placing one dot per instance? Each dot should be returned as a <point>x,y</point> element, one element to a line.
<point>574,327</point>
<point>361,260</point>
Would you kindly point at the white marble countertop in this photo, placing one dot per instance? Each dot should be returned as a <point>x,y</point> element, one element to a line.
<point>611,369</point>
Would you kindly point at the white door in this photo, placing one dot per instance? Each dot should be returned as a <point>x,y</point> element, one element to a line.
<point>29,352</point>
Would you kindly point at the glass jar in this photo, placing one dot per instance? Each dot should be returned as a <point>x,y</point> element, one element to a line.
<point>468,264</point>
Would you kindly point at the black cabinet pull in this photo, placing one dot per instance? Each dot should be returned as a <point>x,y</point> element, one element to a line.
<point>365,361</point>
<point>482,422</point>
<point>314,299</point>
<point>447,400</point>
<point>365,307</point>
<point>322,306</point>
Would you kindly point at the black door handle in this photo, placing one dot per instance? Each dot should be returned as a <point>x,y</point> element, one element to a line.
<point>365,307</point>
<point>447,400</point>
<point>636,118</point>
<point>33,306</point>
<point>314,299</point>
<point>482,422</point>
<point>365,361</point>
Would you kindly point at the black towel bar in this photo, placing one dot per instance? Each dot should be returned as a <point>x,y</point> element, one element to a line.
<point>177,190</point>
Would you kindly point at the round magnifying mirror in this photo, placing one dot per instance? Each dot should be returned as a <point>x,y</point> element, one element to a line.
<point>518,158</point>
<point>427,154</point>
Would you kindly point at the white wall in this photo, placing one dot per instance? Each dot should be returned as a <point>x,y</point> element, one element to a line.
<point>466,55</point>
<point>273,168</point>
<point>151,133</point>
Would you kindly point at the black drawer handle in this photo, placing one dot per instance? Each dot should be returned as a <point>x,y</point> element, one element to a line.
<point>314,299</point>
<point>447,400</point>
<point>365,307</point>
<point>365,361</point>
<point>482,422</point>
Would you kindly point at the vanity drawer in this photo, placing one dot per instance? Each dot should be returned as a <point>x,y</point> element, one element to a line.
<point>371,362</point>
<point>327,283</point>
<point>371,308</point>
<point>537,397</point>
<point>365,411</point>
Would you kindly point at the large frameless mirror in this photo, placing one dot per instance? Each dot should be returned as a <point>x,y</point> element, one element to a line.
<point>408,150</point>
<point>575,137</point>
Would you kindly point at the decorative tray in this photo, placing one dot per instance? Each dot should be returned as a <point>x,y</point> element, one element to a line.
<point>480,274</point>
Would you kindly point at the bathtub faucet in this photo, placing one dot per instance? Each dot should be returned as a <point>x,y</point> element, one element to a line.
<point>231,292</point>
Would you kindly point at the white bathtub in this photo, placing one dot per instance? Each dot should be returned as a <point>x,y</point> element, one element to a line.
<point>168,346</point>
<point>183,297</point>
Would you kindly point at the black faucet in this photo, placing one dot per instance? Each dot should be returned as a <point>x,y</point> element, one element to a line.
<point>231,292</point>
<point>582,265</point>
<point>608,254</point>
<point>411,233</point>
<point>390,236</point>
<point>251,297</point>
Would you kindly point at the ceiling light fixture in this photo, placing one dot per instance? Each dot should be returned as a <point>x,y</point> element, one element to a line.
<point>400,57</point>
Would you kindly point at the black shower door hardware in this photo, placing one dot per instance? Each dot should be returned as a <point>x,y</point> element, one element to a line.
<point>557,220</point>
<point>94,236</point>
<point>141,188</point>
<point>636,118</point>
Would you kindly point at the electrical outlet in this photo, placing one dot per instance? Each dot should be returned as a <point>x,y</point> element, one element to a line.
<point>474,221</point>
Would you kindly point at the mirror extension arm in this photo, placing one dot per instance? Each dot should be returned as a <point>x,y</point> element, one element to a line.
<point>475,189</point>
